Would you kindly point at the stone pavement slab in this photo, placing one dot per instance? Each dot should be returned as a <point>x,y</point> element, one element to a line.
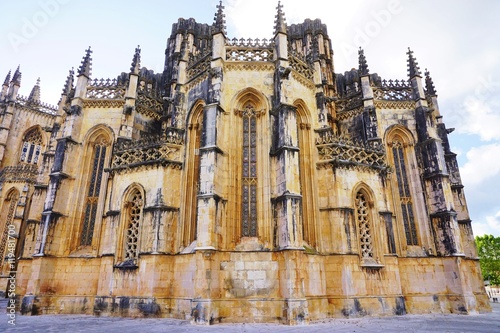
<point>481,323</point>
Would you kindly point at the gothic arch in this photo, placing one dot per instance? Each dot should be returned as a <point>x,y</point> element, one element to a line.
<point>249,145</point>
<point>132,218</point>
<point>250,96</point>
<point>32,144</point>
<point>364,214</point>
<point>399,132</point>
<point>192,173</point>
<point>307,172</point>
<point>405,178</point>
<point>95,157</point>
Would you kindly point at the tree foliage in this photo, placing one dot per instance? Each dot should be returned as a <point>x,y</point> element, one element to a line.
<point>488,249</point>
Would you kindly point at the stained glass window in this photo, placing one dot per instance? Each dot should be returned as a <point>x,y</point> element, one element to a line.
<point>134,216</point>
<point>249,173</point>
<point>365,233</point>
<point>32,146</point>
<point>404,193</point>
<point>92,199</point>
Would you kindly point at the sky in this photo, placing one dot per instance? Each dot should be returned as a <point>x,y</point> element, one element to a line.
<point>458,41</point>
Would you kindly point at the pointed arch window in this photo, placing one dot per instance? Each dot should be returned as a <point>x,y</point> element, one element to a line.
<point>7,217</point>
<point>94,188</point>
<point>364,225</point>
<point>193,174</point>
<point>135,205</point>
<point>32,146</point>
<point>404,192</point>
<point>249,173</point>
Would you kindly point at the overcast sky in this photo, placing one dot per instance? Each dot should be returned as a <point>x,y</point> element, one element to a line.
<point>457,40</point>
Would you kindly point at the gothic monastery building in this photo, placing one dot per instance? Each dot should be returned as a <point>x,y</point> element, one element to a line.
<point>247,182</point>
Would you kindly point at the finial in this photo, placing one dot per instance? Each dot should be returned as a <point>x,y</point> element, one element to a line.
<point>86,66</point>
<point>136,61</point>
<point>280,21</point>
<point>413,69</point>
<point>7,79</point>
<point>429,85</point>
<point>363,65</point>
<point>35,93</point>
<point>16,79</point>
<point>219,21</point>
<point>68,85</point>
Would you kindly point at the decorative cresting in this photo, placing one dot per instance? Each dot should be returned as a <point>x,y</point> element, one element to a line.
<point>249,49</point>
<point>364,219</point>
<point>350,102</point>
<point>38,106</point>
<point>26,173</point>
<point>344,153</point>
<point>301,64</point>
<point>149,101</point>
<point>199,63</point>
<point>404,191</point>
<point>106,89</point>
<point>32,146</point>
<point>92,199</point>
<point>151,151</point>
<point>397,90</point>
<point>7,216</point>
<point>249,172</point>
<point>135,206</point>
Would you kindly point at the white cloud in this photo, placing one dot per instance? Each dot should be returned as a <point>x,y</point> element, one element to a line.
<point>482,164</point>
<point>481,114</point>
<point>489,226</point>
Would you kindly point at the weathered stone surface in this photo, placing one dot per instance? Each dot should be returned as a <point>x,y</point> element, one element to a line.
<point>247,182</point>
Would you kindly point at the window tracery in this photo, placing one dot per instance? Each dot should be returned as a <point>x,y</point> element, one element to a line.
<point>134,216</point>
<point>32,147</point>
<point>92,199</point>
<point>363,219</point>
<point>249,172</point>
<point>404,192</point>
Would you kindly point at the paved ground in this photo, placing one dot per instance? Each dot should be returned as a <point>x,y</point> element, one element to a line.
<point>483,323</point>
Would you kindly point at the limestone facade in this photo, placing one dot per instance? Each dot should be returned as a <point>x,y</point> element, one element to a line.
<point>247,182</point>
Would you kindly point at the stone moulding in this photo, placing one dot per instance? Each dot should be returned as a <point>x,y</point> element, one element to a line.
<point>344,115</point>
<point>250,66</point>
<point>405,105</point>
<point>200,66</point>
<point>39,107</point>
<point>343,153</point>
<point>19,174</point>
<point>103,103</point>
<point>148,152</point>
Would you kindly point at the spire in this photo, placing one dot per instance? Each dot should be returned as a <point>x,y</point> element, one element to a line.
<point>68,85</point>
<point>136,61</point>
<point>7,79</point>
<point>413,69</point>
<point>219,21</point>
<point>16,79</point>
<point>35,93</point>
<point>86,65</point>
<point>429,85</point>
<point>363,65</point>
<point>280,22</point>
